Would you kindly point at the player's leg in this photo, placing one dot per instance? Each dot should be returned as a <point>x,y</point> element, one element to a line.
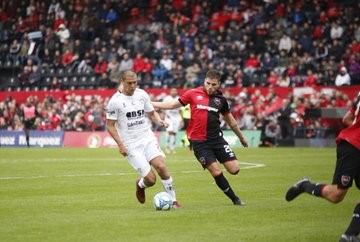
<point>137,160</point>
<point>27,137</point>
<point>171,141</point>
<point>207,158</point>
<point>353,229</point>
<point>232,166</point>
<point>226,156</point>
<point>27,127</point>
<point>347,168</point>
<point>159,165</point>
<point>156,158</point>
<point>222,182</point>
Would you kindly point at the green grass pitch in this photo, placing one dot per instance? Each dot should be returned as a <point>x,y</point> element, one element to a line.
<point>88,195</point>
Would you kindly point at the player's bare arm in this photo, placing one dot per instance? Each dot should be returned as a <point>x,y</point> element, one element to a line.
<point>155,118</point>
<point>348,118</point>
<point>110,126</point>
<point>230,120</point>
<point>167,105</point>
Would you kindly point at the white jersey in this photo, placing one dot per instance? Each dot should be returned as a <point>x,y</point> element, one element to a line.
<point>173,114</point>
<point>130,113</point>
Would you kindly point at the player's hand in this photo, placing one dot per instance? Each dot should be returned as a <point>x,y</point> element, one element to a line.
<point>164,124</point>
<point>244,142</point>
<point>123,150</point>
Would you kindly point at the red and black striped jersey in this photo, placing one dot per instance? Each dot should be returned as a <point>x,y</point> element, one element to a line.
<point>204,123</point>
<point>352,133</point>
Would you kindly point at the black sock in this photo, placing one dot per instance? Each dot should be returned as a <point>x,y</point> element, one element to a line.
<point>354,226</point>
<point>224,185</point>
<point>27,140</point>
<point>312,188</point>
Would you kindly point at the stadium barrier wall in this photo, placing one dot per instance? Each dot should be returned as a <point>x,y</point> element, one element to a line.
<point>37,138</point>
<point>316,142</point>
<point>282,92</point>
<point>103,139</point>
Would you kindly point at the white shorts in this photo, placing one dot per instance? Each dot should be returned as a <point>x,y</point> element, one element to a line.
<point>174,125</point>
<point>141,153</point>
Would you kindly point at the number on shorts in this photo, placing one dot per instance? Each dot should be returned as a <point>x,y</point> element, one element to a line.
<point>227,148</point>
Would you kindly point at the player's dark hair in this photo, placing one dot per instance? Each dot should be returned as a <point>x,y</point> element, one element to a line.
<point>213,74</point>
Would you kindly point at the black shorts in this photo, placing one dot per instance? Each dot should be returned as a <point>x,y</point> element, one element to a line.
<point>347,165</point>
<point>211,151</point>
<point>29,124</point>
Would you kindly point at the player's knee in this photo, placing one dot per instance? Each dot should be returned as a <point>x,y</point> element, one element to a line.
<point>215,172</point>
<point>234,171</point>
<point>338,195</point>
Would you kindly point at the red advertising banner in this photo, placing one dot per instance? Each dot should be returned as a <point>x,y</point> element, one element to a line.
<point>282,92</point>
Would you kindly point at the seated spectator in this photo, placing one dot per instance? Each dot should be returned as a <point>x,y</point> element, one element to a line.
<point>14,49</point>
<point>354,70</point>
<point>251,64</point>
<point>114,72</point>
<point>311,79</point>
<point>126,63</point>
<point>63,33</point>
<point>101,66</point>
<point>285,43</point>
<point>343,77</point>
<point>272,134</point>
<point>68,58</point>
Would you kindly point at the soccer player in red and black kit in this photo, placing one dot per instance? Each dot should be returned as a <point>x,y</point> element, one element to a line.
<point>204,133</point>
<point>347,169</point>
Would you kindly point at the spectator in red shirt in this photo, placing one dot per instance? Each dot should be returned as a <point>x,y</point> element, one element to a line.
<point>311,79</point>
<point>139,63</point>
<point>101,66</point>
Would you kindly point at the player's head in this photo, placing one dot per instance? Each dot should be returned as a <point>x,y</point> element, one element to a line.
<point>173,92</point>
<point>128,82</point>
<point>212,81</point>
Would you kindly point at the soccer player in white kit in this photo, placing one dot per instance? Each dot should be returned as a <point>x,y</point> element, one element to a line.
<point>174,118</point>
<point>127,122</point>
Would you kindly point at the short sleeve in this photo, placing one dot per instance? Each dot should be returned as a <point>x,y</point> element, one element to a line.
<point>225,106</point>
<point>148,107</point>
<point>186,98</point>
<point>112,110</point>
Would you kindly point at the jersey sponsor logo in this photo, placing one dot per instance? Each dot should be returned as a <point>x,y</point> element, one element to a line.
<point>200,106</point>
<point>132,124</point>
<point>345,180</point>
<point>199,97</point>
<point>135,114</point>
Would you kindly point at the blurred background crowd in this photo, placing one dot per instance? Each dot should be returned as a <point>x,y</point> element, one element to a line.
<point>86,44</point>
<point>53,44</point>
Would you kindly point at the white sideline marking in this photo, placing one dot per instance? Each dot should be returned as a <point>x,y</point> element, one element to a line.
<point>249,166</point>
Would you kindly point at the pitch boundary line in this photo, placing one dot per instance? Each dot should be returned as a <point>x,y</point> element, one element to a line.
<point>250,166</point>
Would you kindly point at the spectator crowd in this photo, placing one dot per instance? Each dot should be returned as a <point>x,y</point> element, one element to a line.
<point>253,111</point>
<point>172,43</point>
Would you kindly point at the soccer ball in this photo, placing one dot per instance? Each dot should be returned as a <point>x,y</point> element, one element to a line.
<point>162,201</point>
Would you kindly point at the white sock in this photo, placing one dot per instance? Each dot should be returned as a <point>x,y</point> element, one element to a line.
<point>172,142</point>
<point>169,188</point>
<point>141,183</point>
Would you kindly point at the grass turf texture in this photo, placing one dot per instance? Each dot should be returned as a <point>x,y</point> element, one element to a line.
<point>88,195</point>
